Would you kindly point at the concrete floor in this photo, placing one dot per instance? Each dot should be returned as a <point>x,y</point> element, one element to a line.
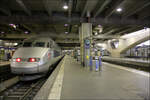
<point>110,83</point>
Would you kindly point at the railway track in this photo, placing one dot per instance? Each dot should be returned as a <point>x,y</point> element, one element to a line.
<point>22,90</point>
<point>25,90</point>
<point>5,73</point>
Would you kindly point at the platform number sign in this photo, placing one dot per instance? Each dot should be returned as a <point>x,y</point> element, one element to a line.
<point>87,43</point>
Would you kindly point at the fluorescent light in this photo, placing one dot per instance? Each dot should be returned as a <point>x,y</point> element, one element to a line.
<point>26,32</point>
<point>96,33</point>
<point>15,44</point>
<point>2,32</point>
<point>66,32</point>
<point>99,26</point>
<point>119,10</point>
<point>66,25</point>
<point>65,7</point>
<point>13,25</point>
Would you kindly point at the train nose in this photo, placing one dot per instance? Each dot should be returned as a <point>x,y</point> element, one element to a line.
<point>27,60</point>
<point>30,52</point>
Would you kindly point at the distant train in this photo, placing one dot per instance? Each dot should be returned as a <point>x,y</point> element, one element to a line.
<point>34,58</point>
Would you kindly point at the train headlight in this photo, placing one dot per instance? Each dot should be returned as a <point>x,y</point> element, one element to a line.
<point>34,59</point>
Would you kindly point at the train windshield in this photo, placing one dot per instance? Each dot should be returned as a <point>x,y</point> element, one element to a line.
<point>39,44</point>
<point>27,44</point>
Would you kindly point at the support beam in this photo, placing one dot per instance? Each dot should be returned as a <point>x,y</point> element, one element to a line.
<point>22,5</point>
<point>102,7</point>
<point>113,7</point>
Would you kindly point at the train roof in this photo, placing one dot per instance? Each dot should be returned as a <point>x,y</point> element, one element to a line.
<point>44,39</point>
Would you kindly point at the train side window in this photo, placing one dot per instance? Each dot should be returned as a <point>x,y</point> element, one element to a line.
<point>39,44</point>
<point>48,45</point>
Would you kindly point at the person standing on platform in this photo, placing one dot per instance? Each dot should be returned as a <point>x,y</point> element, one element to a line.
<point>100,60</point>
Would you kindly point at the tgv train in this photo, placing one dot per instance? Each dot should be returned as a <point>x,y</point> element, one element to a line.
<point>35,57</point>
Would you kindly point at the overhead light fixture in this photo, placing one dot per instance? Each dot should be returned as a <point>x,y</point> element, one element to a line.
<point>26,32</point>
<point>2,32</point>
<point>75,25</point>
<point>96,33</point>
<point>99,25</point>
<point>66,32</point>
<point>119,9</point>
<point>66,25</point>
<point>15,44</point>
<point>65,6</point>
<point>13,25</point>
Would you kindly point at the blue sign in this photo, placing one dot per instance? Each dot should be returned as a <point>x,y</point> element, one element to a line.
<point>87,43</point>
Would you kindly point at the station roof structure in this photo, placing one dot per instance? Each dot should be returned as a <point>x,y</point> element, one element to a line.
<point>20,19</point>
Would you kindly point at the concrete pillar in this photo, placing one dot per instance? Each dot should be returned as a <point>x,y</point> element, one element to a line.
<point>85,33</point>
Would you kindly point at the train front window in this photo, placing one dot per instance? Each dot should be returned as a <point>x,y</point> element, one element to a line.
<point>27,44</point>
<point>39,44</point>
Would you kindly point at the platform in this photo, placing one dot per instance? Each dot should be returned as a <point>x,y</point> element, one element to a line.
<point>113,82</point>
<point>131,59</point>
<point>143,64</point>
<point>4,63</point>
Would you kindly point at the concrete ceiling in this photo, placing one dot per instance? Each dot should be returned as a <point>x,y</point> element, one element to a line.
<point>48,17</point>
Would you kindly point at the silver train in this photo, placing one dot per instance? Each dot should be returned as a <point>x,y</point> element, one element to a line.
<point>34,58</point>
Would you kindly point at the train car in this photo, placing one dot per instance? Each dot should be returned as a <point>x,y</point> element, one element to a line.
<point>34,58</point>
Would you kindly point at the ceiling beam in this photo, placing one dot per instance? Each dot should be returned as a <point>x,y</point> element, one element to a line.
<point>68,44</point>
<point>69,15</point>
<point>136,10</point>
<point>29,28</point>
<point>89,7</point>
<point>106,37</point>
<point>67,40</point>
<point>4,8</point>
<point>129,30</point>
<point>116,30</point>
<point>102,7</point>
<point>144,14</point>
<point>111,31</point>
<point>47,7</point>
<point>113,7</point>
<point>23,6</point>
<point>70,8</point>
<point>38,19</point>
<point>67,48</point>
<point>85,8</point>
